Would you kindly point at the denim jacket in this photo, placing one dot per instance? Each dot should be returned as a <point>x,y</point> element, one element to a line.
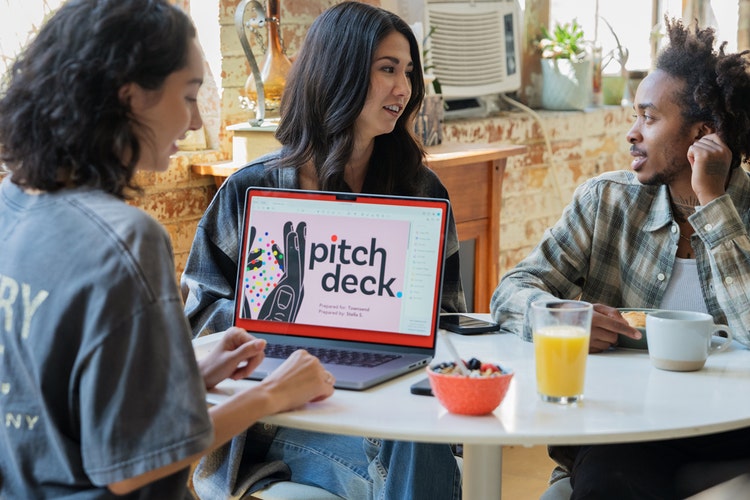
<point>208,282</point>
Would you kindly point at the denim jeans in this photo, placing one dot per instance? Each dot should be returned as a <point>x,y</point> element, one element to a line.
<point>365,468</point>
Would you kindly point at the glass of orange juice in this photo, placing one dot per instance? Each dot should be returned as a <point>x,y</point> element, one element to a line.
<point>561,330</point>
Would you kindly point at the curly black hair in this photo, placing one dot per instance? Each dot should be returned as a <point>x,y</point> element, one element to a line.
<point>717,84</point>
<point>62,123</point>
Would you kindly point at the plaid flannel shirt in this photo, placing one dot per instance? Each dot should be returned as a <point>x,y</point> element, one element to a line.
<point>615,244</point>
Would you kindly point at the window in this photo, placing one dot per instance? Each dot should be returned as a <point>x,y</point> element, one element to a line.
<point>18,24</point>
<point>632,21</point>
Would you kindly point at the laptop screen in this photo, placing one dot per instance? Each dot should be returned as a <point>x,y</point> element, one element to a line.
<point>342,266</point>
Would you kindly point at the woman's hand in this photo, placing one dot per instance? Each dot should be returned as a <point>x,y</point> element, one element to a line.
<point>235,356</point>
<point>298,380</point>
<point>301,378</point>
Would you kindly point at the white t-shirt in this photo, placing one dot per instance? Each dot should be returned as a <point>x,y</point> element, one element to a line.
<point>684,289</point>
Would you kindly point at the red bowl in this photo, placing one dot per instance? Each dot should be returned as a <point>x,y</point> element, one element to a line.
<point>469,395</point>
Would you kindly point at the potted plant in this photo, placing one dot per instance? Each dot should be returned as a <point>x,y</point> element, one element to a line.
<point>567,71</point>
<point>613,84</point>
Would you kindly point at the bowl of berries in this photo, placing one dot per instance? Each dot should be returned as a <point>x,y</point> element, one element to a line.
<point>476,390</point>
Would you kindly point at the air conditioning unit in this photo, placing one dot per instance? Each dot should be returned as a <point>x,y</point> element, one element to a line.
<point>475,46</point>
<point>474,49</point>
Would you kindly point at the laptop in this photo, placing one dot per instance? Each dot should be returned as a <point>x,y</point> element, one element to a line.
<point>355,279</point>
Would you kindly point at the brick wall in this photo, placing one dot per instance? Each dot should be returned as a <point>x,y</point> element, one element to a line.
<point>583,144</point>
<point>178,198</point>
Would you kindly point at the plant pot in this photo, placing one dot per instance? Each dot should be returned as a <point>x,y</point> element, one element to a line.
<point>566,85</point>
<point>613,87</point>
<point>631,86</point>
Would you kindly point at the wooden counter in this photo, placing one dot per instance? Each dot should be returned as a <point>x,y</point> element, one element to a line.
<point>473,175</point>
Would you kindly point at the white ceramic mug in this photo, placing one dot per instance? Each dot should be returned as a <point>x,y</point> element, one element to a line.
<point>682,340</point>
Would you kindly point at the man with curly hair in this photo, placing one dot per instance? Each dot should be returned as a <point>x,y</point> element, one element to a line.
<point>671,233</point>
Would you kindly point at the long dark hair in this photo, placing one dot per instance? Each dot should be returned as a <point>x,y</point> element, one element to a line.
<point>61,121</point>
<point>326,91</point>
<point>717,85</point>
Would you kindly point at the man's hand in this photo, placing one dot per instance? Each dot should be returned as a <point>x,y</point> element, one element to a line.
<point>235,356</point>
<point>710,159</point>
<point>607,323</point>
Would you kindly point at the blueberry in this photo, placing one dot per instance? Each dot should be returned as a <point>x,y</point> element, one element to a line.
<point>474,364</point>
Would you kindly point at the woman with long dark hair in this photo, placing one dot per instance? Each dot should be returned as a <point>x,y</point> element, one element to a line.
<point>346,124</point>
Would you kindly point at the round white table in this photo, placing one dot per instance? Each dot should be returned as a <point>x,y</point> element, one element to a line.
<point>626,399</point>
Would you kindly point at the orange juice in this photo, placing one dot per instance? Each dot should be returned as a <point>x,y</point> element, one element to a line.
<point>560,353</point>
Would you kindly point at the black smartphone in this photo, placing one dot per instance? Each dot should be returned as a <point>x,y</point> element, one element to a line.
<point>422,388</point>
<point>466,325</point>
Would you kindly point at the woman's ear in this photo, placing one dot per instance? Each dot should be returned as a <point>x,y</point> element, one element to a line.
<point>134,97</point>
<point>125,94</point>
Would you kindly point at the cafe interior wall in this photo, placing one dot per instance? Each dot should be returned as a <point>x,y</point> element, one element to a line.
<point>581,143</point>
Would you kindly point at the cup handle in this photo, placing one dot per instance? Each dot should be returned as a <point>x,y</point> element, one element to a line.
<point>724,344</point>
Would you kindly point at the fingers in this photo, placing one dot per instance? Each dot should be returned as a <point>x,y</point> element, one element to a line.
<point>249,349</point>
<point>606,310</point>
<point>710,149</point>
<point>707,144</point>
<point>606,325</point>
<point>283,300</point>
<point>236,333</point>
<point>243,352</point>
<point>710,160</point>
<point>608,319</point>
<point>596,346</point>
<point>235,337</point>
<point>328,380</point>
<point>704,145</point>
<point>601,340</point>
<point>244,370</point>
<point>712,140</point>
<point>236,355</point>
<point>254,260</point>
<point>324,375</point>
<point>300,379</point>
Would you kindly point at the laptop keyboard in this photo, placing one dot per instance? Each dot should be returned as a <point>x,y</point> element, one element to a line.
<point>332,356</point>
